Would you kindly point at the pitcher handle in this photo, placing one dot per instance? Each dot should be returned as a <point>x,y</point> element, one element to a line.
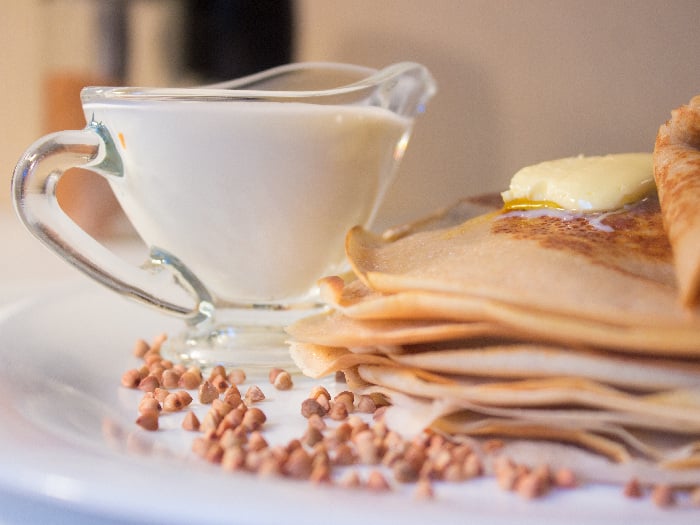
<point>34,191</point>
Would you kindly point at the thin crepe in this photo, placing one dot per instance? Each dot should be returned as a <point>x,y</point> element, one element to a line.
<point>606,461</point>
<point>623,450</point>
<point>551,392</point>
<point>335,329</point>
<point>497,360</point>
<point>318,361</point>
<point>528,360</point>
<point>677,175</point>
<point>565,266</point>
<point>358,302</point>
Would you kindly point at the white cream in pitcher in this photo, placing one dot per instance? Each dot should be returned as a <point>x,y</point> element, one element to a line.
<point>342,157</point>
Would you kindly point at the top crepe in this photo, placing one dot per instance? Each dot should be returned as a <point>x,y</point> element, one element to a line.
<point>615,269</point>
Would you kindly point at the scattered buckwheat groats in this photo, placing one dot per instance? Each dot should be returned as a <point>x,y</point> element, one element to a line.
<point>281,379</point>
<point>311,407</point>
<point>219,382</point>
<point>148,420</point>
<point>253,419</point>
<point>140,348</point>
<point>131,378</point>
<point>149,404</point>
<point>663,496</point>
<point>377,482</point>
<point>189,380</point>
<point>632,489</point>
<point>207,393</point>
<point>565,478</point>
<point>236,376</point>
<point>170,378</point>
<point>173,403</point>
<point>254,394</point>
<point>191,422</point>
<point>149,383</point>
<point>424,489</point>
<point>343,439</point>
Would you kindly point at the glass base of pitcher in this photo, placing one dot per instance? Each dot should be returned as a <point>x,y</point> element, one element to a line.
<point>250,340</point>
<point>241,347</point>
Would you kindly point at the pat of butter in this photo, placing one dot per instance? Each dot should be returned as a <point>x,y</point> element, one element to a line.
<point>583,183</point>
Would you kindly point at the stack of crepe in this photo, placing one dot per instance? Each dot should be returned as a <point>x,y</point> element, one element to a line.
<point>570,336</point>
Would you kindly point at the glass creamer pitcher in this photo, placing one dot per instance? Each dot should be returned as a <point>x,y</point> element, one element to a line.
<point>243,191</point>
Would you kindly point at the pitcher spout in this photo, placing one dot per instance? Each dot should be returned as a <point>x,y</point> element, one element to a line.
<point>403,88</point>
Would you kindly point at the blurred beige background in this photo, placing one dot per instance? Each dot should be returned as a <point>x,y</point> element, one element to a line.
<point>519,82</point>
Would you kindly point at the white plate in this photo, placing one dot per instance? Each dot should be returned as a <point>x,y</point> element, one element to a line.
<point>68,442</point>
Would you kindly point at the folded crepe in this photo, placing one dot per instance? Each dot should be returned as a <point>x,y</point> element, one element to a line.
<point>677,175</point>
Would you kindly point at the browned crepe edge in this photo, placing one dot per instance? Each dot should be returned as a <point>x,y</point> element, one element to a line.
<point>677,175</point>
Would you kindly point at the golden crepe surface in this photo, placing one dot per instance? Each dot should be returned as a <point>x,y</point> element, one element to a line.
<point>564,265</point>
<point>677,175</point>
<point>558,332</point>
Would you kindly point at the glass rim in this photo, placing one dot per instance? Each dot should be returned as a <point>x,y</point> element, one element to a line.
<point>236,90</point>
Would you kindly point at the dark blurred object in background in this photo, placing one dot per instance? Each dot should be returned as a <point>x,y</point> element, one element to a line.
<point>226,39</point>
